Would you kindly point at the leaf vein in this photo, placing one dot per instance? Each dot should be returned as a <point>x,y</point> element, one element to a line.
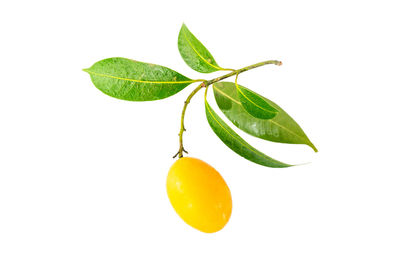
<point>139,81</point>
<point>227,96</point>
<point>244,144</point>
<point>240,91</point>
<point>190,44</point>
<point>271,120</point>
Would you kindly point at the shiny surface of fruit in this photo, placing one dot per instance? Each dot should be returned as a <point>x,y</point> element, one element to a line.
<point>199,194</point>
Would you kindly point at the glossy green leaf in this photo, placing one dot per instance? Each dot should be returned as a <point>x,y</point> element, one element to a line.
<point>254,104</point>
<point>236,143</point>
<point>282,128</point>
<point>194,53</point>
<point>136,81</point>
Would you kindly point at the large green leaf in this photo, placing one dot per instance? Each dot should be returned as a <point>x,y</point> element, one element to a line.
<point>194,53</point>
<point>254,104</point>
<point>236,143</point>
<point>282,128</point>
<point>136,81</point>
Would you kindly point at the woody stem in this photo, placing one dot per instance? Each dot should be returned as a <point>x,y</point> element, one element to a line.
<point>206,84</point>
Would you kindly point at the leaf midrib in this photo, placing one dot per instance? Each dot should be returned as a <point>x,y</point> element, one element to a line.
<point>194,49</point>
<point>138,81</point>
<point>272,121</point>
<point>266,110</point>
<point>241,142</point>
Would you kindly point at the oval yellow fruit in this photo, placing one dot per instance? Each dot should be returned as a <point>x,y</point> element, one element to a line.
<point>199,194</point>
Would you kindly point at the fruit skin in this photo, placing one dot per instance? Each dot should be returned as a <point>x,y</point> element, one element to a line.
<point>199,194</point>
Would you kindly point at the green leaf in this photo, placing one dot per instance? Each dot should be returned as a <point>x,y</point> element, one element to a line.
<point>194,53</point>
<point>255,104</point>
<point>282,128</point>
<point>136,81</point>
<point>236,143</point>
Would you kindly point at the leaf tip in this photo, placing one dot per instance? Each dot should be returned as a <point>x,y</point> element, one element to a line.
<point>285,165</point>
<point>86,70</point>
<point>313,147</point>
<point>281,165</point>
<point>301,164</point>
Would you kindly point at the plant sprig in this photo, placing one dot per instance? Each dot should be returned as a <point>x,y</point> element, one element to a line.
<point>208,83</point>
<point>258,116</point>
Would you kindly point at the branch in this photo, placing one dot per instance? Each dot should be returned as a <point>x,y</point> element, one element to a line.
<point>206,84</point>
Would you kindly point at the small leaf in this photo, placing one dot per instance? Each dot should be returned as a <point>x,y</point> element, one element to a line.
<point>254,104</point>
<point>282,128</point>
<point>136,81</point>
<point>236,143</point>
<point>194,53</point>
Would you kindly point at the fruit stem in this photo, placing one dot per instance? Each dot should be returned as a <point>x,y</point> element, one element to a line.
<point>206,83</point>
<point>187,101</point>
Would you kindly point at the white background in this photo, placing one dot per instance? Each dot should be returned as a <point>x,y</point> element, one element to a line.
<point>82,175</point>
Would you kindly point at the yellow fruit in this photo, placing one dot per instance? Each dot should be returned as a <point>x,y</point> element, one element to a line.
<point>199,194</point>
